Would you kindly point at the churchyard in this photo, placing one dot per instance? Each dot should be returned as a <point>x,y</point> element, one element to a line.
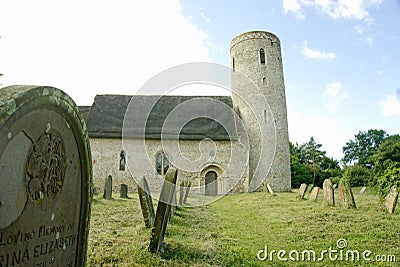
<point>51,214</point>
<point>237,230</point>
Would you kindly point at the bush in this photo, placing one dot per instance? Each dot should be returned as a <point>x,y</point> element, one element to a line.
<point>357,175</point>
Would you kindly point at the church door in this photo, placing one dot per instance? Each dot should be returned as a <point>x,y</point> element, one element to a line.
<point>211,184</point>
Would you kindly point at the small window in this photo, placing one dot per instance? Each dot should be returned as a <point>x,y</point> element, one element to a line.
<point>122,160</point>
<point>262,56</point>
<point>162,163</point>
<point>264,81</point>
<point>233,64</point>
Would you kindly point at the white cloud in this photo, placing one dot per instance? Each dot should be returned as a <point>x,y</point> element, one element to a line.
<point>333,95</point>
<point>315,54</point>
<point>336,9</point>
<point>390,106</point>
<point>379,72</point>
<point>293,6</point>
<point>91,47</point>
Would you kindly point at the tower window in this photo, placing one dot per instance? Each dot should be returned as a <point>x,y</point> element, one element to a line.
<point>122,160</point>
<point>262,56</point>
<point>264,81</point>
<point>162,163</point>
<point>233,64</point>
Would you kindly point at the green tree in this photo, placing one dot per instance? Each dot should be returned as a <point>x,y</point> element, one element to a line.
<point>314,156</point>
<point>387,165</point>
<point>329,169</point>
<point>363,147</point>
<point>300,171</point>
<point>357,175</point>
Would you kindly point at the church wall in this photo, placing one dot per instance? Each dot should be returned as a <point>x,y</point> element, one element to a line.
<point>229,161</point>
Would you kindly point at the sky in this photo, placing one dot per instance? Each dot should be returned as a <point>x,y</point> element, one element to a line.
<point>341,58</point>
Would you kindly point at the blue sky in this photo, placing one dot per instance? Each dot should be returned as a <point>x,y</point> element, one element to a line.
<point>341,58</point>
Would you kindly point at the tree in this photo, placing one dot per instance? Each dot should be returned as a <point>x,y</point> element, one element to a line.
<point>314,156</point>
<point>357,175</point>
<point>387,165</point>
<point>300,171</point>
<point>363,147</point>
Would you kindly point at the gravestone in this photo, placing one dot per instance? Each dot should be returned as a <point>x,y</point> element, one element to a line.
<point>108,188</point>
<point>163,211</point>
<point>346,195</point>
<point>303,190</point>
<point>310,188</point>
<point>314,193</point>
<point>181,193</point>
<point>329,196</point>
<point>123,193</point>
<point>270,189</point>
<point>391,199</point>
<point>173,205</point>
<point>146,202</point>
<point>362,191</point>
<point>45,178</point>
<point>187,189</point>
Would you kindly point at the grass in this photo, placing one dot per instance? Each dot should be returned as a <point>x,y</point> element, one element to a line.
<point>231,231</point>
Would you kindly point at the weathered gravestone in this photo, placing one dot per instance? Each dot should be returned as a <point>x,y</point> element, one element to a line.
<point>123,193</point>
<point>314,193</point>
<point>391,199</point>
<point>181,193</point>
<point>163,211</point>
<point>174,204</point>
<point>270,189</point>
<point>346,195</point>
<point>187,189</point>
<point>329,196</point>
<point>362,191</point>
<point>303,190</point>
<point>45,178</point>
<point>108,188</point>
<point>146,202</point>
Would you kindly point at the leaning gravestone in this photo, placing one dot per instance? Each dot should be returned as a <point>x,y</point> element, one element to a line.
<point>45,178</point>
<point>163,211</point>
<point>123,193</point>
<point>329,196</point>
<point>187,189</point>
<point>314,193</point>
<point>146,202</point>
<point>174,204</point>
<point>362,191</point>
<point>391,199</point>
<point>270,189</point>
<point>108,188</point>
<point>346,195</point>
<point>181,192</point>
<point>303,190</point>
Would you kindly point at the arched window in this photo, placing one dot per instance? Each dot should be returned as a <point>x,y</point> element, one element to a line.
<point>122,160</point>
<point>264,81</point>
<point>262,56</point>
<point>162,163</point>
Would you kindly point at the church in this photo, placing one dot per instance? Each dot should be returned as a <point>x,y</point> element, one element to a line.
<point>221,144</point>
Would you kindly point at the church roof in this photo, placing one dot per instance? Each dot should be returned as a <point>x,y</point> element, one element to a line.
<point>106,117</point>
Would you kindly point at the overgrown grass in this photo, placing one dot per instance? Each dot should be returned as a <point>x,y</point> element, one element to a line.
<point>231,231</point>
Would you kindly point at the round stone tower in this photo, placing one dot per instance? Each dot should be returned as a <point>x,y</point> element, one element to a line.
<point>258,92</point>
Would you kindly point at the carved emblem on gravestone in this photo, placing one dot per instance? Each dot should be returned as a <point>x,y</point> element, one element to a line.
<point>45,170</point>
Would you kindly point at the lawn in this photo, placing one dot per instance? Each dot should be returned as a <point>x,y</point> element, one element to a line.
<point>234,229</point>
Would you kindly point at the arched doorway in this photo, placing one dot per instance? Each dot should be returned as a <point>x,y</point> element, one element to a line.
<point>211,184</point>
